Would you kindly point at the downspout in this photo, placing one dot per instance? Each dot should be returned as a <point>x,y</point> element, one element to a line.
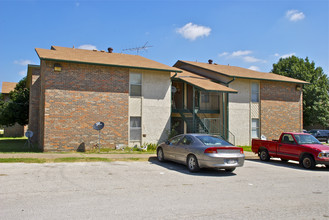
<point>171,99</point>
<point>173,76</point>
<point>227,110</point>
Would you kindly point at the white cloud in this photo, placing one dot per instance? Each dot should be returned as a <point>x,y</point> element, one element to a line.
<point>295,15</point>
<point>22,73</point>
<point>87,47</point>
<point>241,53</point>
<point>77,4</point>
<point>192,31</point>
<point>250,59</point>
<point>23,62</point>
<point>287,55</point>
<point>276,55</point>
<point>223,54</point>
<point>256,68</point>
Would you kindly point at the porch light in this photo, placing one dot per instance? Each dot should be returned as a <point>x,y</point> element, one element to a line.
<point>57,67</point>
<point>298,88</point>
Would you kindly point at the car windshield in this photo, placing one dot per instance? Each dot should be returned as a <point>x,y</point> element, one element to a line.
<point>306,139</point>
<point>213,140</point>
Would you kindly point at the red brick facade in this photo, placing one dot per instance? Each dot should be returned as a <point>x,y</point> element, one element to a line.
<point>281,108</point>
<point>34,103</point>
<point>77,97</point>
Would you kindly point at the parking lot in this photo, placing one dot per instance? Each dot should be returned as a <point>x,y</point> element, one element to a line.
<point>153,190</point>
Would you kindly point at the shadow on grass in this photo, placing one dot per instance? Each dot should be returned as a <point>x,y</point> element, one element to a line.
<point>16,145</point>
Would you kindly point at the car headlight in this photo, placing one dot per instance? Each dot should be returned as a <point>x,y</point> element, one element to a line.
<point>323,154</point>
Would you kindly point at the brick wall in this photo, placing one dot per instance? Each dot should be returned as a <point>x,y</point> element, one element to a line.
<point>34,104</point>
<point>281,108</point>
<point>79,96</point>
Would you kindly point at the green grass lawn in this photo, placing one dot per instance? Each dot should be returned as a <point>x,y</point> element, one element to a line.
<point>12,145</point>
<point>246,148</point>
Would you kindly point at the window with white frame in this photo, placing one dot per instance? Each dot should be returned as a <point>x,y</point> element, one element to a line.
<point>255,128</point>
<point>254,92</point>
<point>135,83</point>
<point>135,128</point>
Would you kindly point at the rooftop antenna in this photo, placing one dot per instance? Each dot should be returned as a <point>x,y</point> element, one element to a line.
<point>144,47</point>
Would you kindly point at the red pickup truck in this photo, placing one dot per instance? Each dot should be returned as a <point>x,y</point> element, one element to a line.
<point>301,147</point>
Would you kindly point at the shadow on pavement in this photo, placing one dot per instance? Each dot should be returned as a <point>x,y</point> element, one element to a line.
<point>183,169</point>
<point>291,164</point>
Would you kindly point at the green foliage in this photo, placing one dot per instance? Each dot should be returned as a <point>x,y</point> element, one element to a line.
<point>315,94</point>
<point>16,110</point>
<point>22,160</point>
<point>15,145</point>
<point>172,132</point>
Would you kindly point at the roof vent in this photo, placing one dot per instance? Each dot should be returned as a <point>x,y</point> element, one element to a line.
<point>110,49</point>
<point>103,51</point>
<point>94,50</point>
<point>210,61</point>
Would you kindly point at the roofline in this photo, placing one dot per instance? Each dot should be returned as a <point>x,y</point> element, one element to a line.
<point>205,89</point>
<point>103,64</point>
<point>239,77</point>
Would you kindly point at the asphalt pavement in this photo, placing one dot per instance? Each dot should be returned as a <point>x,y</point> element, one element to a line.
<point>248,155</point>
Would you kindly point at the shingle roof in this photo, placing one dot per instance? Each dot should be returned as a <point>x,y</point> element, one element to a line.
<point>102,58</point>
<point>239,72</point>
<point>8,87</point>
<point>202,82</point>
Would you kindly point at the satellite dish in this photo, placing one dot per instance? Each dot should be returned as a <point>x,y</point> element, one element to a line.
<point>29,134</point>
<point>98,126</point>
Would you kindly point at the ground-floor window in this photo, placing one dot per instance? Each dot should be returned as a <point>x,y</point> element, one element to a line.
<point>255,128</point>
<point>135,128</point>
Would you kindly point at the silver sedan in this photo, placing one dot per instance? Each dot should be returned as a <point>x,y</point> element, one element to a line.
<point>200,151</point>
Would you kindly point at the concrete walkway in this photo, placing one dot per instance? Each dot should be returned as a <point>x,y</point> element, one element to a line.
<point>249,155</point>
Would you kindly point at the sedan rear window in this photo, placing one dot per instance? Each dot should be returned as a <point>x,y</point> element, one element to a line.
<point>213,140</point>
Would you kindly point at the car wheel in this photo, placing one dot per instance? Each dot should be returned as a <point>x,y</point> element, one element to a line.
<point>307,162</point>
<point>192,163</point>
<point>327,166</point>
<point>263,155</point>
<point>160,155</point>
<point>229,170</point>
<point>284,160</point>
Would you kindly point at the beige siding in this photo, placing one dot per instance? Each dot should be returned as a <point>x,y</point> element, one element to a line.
<point>154,106</point>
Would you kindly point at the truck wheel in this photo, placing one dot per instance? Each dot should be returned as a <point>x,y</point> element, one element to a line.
<point>263,155</point>
<point>307,162</point>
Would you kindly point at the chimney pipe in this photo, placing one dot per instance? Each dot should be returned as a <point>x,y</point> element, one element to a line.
<point>110,49</point>
<point>210,61</point>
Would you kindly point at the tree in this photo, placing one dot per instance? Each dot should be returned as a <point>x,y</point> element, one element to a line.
<point>16,110</point>
<point>315,94</point>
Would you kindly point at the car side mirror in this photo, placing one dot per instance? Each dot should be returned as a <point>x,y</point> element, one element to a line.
<point>167,142</point>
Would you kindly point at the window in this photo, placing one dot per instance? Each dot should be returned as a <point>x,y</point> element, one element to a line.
<point>287,139</point>
<point>255,128</point>
<point>186,140</point>
<point>254,92</point>
<point>135,128</point>
<point>135,81</point>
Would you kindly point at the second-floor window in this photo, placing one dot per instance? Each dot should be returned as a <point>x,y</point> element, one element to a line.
<point>254,92</point>
<point>135,83</point>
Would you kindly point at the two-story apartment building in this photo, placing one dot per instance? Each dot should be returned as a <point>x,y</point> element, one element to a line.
<point>250,105</point>
<point>73,88</point>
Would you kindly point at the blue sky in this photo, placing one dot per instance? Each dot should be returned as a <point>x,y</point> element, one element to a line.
<point>250,34</point>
